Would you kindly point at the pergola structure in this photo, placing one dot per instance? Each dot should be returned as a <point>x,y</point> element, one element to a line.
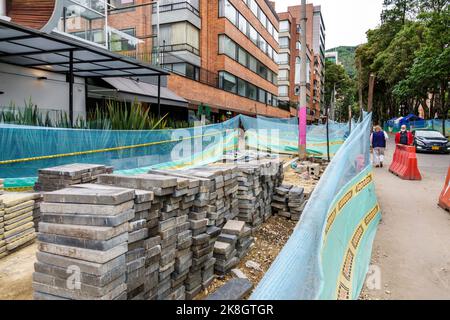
<point>56,53</point>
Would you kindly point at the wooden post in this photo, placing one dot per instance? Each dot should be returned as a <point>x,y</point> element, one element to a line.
<point>371,89</point>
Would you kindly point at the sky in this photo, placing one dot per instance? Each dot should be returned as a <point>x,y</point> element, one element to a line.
<point>346,21</point>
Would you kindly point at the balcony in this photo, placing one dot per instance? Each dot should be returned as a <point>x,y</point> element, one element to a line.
<point>177,12</point>
<point>177,6</point>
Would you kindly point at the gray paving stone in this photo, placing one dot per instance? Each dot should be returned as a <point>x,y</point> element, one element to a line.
<point>86,209</point>
<point>84,254</point>
<point>84,243</point>
<point>84,232</point>
<point>92,268</point>
<point>89,220</point>
<point>235,289</point>
<point>100,196</point>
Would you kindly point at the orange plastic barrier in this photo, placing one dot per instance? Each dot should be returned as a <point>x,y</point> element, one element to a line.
<point>404,164</point>
<point>444,199</point>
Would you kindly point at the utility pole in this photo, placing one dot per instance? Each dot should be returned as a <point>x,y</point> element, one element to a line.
<point>302,105</point>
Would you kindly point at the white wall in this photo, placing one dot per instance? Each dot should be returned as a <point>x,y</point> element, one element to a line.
<point>19,84</point>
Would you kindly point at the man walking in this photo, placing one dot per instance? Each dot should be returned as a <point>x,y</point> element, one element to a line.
<point>404,137</point>
<point>378,141</point>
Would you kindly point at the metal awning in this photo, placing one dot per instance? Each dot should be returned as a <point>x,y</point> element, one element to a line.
<point>130,89</point>
<point>57,53</point>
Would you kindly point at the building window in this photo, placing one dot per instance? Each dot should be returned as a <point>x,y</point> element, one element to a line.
<point>269,98</point>
<point>261,96</point>
<point>283,58</point>
<point>251,91</point>
<point>285,26</point>
<point>262,18</point>
<point>284,42</point>
<point>253,35</point>
<point>242,56</point>
<point>283,75</point>
<point>227,46</point>
<point>179,36</point>
<point>253,7</point>
<point>243,24</point>
<point>252,64</point>
<point>230,13</point>
<point>298,45</point>
<point>262,70</point>
<point>262,44</point>
<point>283,91</point>
<point>227,82</point>
<point>184,69</point>
<point>242,88</point>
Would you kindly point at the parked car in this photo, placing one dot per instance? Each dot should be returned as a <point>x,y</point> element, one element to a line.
<point>430,141</point>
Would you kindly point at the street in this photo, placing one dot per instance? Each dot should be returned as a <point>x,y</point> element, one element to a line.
<point>412,244</point>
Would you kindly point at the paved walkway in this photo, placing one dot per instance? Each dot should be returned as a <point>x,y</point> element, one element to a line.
<point>412,247</point>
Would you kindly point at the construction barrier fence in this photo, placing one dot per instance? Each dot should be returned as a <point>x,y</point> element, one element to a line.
<point>281,136</point>
<point>26,149</point>
<point>328,254</point>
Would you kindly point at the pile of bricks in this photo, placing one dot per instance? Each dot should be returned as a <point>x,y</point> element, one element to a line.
<point>83,244</point>
<point>232,245</point>
<point>137,234</point>
<point>37,210</point>
<point>215,202</point>
<point>169,234</point>
<point>257,180</point>
<point>56,178</point>
<point>289,201</point>
<point>16,221</point>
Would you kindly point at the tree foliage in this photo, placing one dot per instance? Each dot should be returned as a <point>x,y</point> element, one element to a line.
<point>409,54</point>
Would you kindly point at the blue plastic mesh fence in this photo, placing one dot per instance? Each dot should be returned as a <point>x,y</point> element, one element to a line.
<point>24,150</point>
<point>328,254</point>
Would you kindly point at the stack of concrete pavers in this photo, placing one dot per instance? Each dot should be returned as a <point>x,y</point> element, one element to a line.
<point>56,178</point>
<point>196,266</point>
<point>83,241</point>
<point>289,201</point>
<point>2,186</point>
<point>232,244</point>
<point>3,252</point>
<point>296,202</point>
<point>257,181</point>
<point>138,233</point>
<point>280,201</point>
<point>16,224</point>
<point>37,210</point>
<point>169,193</point>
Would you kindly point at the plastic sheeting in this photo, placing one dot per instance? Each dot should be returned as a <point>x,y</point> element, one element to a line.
<point>281,136</point>
<point>24,150</point>
<point>328,254</point>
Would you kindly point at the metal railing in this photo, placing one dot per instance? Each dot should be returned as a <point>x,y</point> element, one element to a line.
<point>177,6</point>
<point>179,47</point>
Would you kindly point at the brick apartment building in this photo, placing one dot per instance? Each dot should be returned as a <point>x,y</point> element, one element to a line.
<point>290,59</point>
<point>229,60</point>
<point>222,54</point>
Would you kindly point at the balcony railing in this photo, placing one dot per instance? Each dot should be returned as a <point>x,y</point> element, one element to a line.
<point>179,47</point>
<point>177,6</point>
